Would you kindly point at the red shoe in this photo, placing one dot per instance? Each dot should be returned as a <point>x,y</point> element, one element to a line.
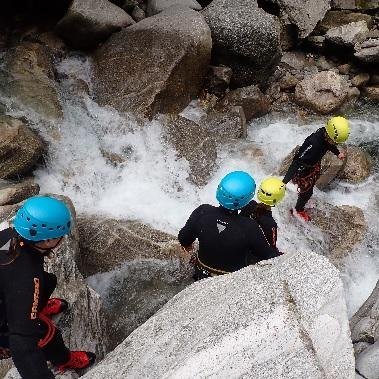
<point>54,306</point>
<point>78,360</point>
<point>301,214</point>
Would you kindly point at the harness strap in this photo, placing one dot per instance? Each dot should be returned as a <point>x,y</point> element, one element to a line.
<point>210,270</point>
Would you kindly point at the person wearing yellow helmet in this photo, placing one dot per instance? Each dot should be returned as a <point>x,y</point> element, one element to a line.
<point>306,165</point>
<point>271,192</point>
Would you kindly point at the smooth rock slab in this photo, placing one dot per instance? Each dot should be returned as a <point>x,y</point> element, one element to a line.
<point>156,6</point>
<point>264,321</point>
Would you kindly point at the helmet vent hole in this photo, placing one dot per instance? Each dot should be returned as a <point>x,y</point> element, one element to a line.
<point>32,232</point>
<point>51,228</point>
<point>34,225</point>
<point>43,225</point>
<point>68,224</point>
<point>28,218</point>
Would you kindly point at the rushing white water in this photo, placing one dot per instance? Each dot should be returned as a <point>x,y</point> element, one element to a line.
<point>150,183</point>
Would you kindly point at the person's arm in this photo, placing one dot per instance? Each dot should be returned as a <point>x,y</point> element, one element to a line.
<point>22,307</point>
<point>334,149</point>
<point>188,234</point>
<point>292,170</point>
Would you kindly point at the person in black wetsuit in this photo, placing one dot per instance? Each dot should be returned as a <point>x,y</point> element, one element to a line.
<point>227,241</point>
<point>27,332</point>
<point>271,191</point>
<point>306,165</point>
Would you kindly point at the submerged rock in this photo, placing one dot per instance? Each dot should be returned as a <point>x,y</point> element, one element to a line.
<point>156,65</point>
<point>20,147</point>
<point>220,327</point>
<point>89,22</point>
<point>245,38</point>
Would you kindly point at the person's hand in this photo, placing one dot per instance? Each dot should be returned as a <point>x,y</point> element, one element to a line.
<point>188,248</point>
<point>342,156</point>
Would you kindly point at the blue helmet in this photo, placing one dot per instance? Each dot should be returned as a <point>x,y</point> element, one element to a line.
<point>42,218</point>
<point>235,190</point>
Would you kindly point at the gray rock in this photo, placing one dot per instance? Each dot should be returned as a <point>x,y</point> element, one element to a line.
<point>156,6</point>
<point>226,125</point>
<point>138,269</point>
<point>29,79</point>
<point>20,148</point>
<point>253,102</point>
<point>217,80</point>
<point>347,35</point>
<point>368,51</point>
<point>324,92</point>
<point>372,93</point>
<point>288,82</point>
<point>84,327</point>
<point>89,22</point>
<point>196,144</point>
<point>219,327</point>
<point>331,167</point>
<point>343,228</point>
<point>11,193</point>
<point>334,19</point>
<point>70,374</point>
<point>358,165</point>
<point>359,347</point>
<point>107,243</point>
<point>360,80</point>
<point>355,4</point>
<point>364,324</point>
<point>245,38</point>
<point>138,14</point>
<point>179,39</point>
<point>344,69</point>
<point>368,362</point>
<point>304,14</point>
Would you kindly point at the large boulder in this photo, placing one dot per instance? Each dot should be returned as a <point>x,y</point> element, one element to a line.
<point>156,65</point>
<point>13,193</point>
<point>89,22</point>
<point>138,269</point>
<point>337,18</point>
<point>156,6</point>
<point>196,144</point>
<point>29,79</point>
<point>364,324</point>
<point>324,92</point>
<point>368,51</point>
<point>343,228</point>
<point>107,243</point>
<point>303,14</point>
<point>371,93</point>
<point>365,332</point>
<point>264,321</point>
<point>347,35</point>
<point>245,38</point>
<point>355,4</point>
<point>251,99</point>
<point>358,165</point>
<point>20,148</point>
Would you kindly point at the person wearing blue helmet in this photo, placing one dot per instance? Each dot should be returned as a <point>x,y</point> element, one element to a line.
<point>27,333</point>
<point>227,240</point>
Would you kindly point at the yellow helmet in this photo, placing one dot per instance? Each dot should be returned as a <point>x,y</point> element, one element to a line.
<point>338,129</point>
<point>271,191</point>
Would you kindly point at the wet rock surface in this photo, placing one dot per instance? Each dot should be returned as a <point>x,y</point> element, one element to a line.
<point>156,6</point>
<point>20,147</point>
<point>179,39</point>
<point>13,193</point>
<point>28,78</point>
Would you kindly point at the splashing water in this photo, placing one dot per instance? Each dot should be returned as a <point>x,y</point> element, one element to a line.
<point>118,166</point>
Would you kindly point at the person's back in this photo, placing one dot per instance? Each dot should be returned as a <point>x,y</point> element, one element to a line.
<point>227,241</point>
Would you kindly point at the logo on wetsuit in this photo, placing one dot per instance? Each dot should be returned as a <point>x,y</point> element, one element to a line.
<point>221,225</point>
<point>34,313</point>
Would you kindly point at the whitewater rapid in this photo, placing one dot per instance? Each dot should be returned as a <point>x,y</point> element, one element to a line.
<point>151,184</point>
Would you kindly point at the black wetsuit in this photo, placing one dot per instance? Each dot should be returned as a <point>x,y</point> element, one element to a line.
<point>24,290</point>
<point>305,167</point>
<point>264,218</point>
<point>227,241</point>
